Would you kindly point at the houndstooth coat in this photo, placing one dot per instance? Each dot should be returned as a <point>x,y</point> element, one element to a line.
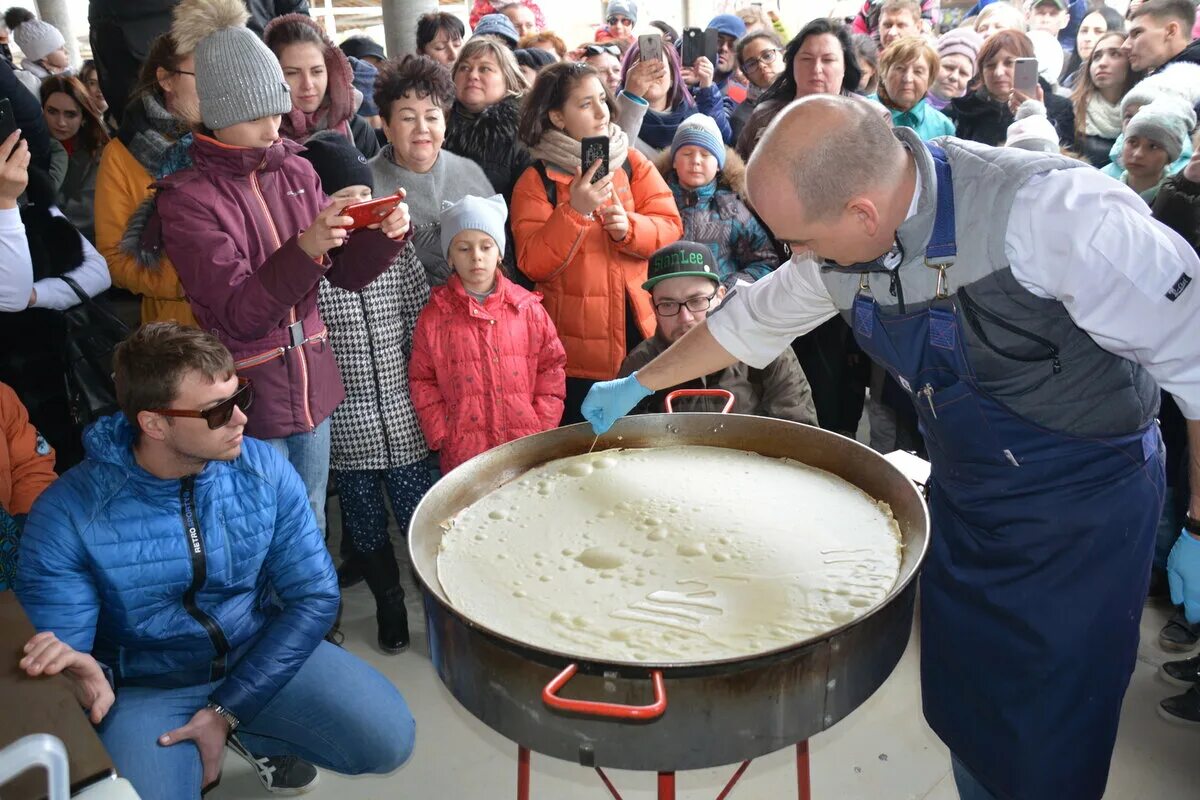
<point>371,331</point>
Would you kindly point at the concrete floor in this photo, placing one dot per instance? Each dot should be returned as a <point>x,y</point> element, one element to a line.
<point>883,751</point>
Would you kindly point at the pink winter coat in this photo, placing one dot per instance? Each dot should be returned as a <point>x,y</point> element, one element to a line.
<point>484,374</point>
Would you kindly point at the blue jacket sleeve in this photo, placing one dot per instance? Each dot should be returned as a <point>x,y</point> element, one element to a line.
<point>54,581</point>
<point>301,574</point>
<point>752,248</point>
<point>710,101</point>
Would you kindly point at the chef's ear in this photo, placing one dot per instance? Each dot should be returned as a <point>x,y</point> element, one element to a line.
<point>865,213</point>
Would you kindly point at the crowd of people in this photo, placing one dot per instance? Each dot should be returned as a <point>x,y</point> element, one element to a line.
<point>287,349</point>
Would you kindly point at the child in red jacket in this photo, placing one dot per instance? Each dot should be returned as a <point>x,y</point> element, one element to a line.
<point>487,366</point>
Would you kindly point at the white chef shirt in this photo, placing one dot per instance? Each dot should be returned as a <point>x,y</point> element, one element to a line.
<point>16,270</point>
<point>1074,235</point>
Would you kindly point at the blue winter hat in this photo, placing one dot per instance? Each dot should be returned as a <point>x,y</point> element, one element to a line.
<point>364,80</point>
<point>626,8</point>
<point>700,130</point>
<point>472,213</point>
<point>728,25</point>
<point>497,25</point>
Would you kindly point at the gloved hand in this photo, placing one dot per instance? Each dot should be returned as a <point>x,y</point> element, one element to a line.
<point>608,401</point>
<point>1183,575</point>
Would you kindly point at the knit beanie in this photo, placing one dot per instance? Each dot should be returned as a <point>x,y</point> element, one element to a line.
<point>1167,121</point>
<point>626,8</point>
<point>534,58</point>
<point>238,79</point>
<point>727,25</point>
<point>37,39</point>
<point>365,74</point>
<point>497,25</point>
<point>960,42</point>
<point>473,213</point>
<point>337,162</point>
<point>1032,130</point>
<point>700,130</point>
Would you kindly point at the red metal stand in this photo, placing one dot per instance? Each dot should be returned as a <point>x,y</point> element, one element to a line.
<point>666,780</point>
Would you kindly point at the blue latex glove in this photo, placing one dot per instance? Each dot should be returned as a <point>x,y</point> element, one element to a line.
<point>608,401</point>
<point>1183,575</point>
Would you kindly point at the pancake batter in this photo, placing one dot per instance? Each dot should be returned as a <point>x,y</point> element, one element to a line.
<point>669,554</point>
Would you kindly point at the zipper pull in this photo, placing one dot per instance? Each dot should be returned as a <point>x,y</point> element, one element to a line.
<point>926,391</point>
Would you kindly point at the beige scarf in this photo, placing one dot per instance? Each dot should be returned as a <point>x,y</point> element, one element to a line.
<point>562,151</point>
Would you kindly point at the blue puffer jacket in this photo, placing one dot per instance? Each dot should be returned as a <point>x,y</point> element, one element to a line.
<point>108,563</point>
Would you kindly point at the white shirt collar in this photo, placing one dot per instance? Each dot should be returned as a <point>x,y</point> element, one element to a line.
<point>892,260</point>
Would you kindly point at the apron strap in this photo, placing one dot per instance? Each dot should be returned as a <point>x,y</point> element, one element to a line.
<point>943,246</point>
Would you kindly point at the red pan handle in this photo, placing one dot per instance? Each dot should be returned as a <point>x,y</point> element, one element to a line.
<point>612,710</point>
<point>728,395</point>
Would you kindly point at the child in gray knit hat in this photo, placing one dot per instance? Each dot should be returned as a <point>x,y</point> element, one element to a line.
<point>1154,138</point>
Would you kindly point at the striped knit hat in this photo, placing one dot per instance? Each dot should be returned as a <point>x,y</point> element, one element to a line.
<point>700,130</point>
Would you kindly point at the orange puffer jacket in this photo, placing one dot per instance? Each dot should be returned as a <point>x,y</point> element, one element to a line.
<point>482,374</point>
<point>584,275</point>
<point>26,460</point>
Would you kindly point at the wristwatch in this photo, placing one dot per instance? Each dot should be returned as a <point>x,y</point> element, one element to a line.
<point>226,715</point>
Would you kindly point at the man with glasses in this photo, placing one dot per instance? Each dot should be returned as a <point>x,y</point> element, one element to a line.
<point>178,579</point>
<point>619,16</point>
<point>760,57</point>
<point>685,288</point>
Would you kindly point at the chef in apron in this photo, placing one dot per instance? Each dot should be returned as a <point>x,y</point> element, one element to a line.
<point>1031,308</point>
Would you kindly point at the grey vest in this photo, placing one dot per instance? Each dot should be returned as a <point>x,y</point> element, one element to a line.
<point>1025,351</point>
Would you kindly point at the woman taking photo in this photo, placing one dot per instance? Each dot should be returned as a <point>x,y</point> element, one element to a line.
<point>1102,82</point>
<point>414,97</point>
<point>819,60</point>
<point>74,122</point>
<point>984,115</point>
<point>586,243</point>
<point>161,110</point>
<point>322,84</point>
<point>667,95</point>
<point>488,87</point>
<point>905,69</point>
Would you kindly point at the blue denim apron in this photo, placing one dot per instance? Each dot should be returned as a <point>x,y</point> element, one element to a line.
<point>1039,562</point>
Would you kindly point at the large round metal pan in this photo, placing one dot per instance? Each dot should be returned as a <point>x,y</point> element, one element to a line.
<point>709,712</point>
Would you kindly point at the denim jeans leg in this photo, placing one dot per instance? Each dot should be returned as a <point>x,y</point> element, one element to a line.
<point>309,454</point>
<point>969,787</point>
<point>130,733</point>
<point>338,712</point>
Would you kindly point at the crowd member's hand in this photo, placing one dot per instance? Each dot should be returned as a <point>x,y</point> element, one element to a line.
<point>586,196</point>
<point>1183,575</point>
<point>14,169</point>
<point>1016,98</point>
<point>643,75</point>
<point>395,224</point>
<point>1192,170</point>
<point>615,219</point>
<point>208,730</point>
<point>327,231</point>
<point>46,655</point>
<point>704,72</point>
<point>608,401</point>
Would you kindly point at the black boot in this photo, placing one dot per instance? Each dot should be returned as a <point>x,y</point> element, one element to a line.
<point>383,577</point>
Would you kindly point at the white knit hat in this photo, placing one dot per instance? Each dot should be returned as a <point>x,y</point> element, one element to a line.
<point>1032,130</point>
<point>38,39</point>
<point>1167,121</point>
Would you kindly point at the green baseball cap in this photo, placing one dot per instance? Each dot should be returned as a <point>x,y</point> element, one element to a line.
<point>681,259</point>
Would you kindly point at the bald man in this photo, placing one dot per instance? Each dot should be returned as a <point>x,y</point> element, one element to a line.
<point>1031,307</point>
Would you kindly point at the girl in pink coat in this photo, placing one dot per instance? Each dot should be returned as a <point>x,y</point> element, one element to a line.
<point>487,366</point>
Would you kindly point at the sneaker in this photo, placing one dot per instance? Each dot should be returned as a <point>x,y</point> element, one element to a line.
<point>1177,636</point>
<point>282,775</point>
<point>1183,674</point>
<point>1183,709</point>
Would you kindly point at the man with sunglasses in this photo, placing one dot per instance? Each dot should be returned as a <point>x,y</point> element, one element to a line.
<point>620,16</point>
<point>178,579</point>
<point>684,285</point>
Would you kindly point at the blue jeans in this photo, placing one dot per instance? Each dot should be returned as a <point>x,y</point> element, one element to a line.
<point>969,787</point>
<point>309,454</point>
<point>337,712</point>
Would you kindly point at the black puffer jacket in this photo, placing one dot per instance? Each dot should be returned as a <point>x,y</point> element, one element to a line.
<point>979,118</point>
<point>1095,149</point>
<point>490,140</point>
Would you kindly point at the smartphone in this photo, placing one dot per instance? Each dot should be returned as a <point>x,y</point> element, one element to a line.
<point>1025,76</point>
<point>693,45</point>
<point>650,47</point>
<point>8,123</point>
<point>712,40</point>
<point>372,211</point>
<point>593,148</point>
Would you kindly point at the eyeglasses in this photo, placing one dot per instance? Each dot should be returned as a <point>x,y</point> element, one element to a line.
<point>601,49</point>
<point>671,308</point>
<point>217,416</point>
<point>619,21</point>
<point>765,57</point>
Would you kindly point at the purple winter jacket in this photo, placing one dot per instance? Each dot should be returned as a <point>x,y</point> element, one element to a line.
<point>229,225</point>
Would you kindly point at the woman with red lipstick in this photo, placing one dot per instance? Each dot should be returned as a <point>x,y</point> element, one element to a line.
<point>322,83</point>
<point>75,123</point>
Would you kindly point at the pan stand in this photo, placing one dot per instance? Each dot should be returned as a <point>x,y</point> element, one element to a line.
<point>666,780</point>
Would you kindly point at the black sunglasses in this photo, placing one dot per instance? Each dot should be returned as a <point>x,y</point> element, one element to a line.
<point>217,416</point>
